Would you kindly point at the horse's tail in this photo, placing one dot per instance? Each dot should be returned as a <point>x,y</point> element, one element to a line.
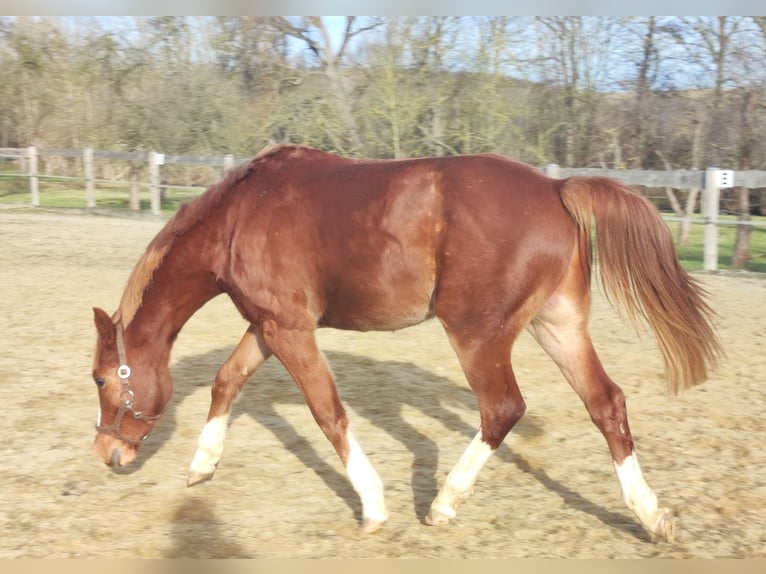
<point>640,272</point>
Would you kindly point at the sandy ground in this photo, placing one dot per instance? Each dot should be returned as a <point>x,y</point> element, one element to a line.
<point>280,491</point>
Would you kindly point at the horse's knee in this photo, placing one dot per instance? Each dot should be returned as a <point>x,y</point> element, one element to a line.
<point>497,424</point>
<point>334,425</point>
<point>224,390</point>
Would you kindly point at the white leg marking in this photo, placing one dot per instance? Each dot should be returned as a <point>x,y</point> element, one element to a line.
<point>460,481</point>
<point>635,492</point>
<point>209,447</point>
<point>641,499</point>
<point>366,482</point>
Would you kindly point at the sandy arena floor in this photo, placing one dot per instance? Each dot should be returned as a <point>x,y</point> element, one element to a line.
<point>280,491</point>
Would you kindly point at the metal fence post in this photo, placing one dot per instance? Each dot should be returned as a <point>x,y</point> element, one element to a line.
<point>87,164</point>
<point>33,180</point>
<point>711,207</point>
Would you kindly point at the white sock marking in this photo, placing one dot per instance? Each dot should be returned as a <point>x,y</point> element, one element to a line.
<point>462,477</point>
<point>635,492</point>
<point>210,446</point>
<point>365,481</point>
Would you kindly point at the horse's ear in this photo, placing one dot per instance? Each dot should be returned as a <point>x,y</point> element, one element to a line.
<point>104,325</point>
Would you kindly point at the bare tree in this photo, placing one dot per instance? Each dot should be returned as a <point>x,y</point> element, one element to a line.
<point>573,56</point>
<point>32,75</point>
<point>647,62</point>
<point>313,31</point>
<point>751,105</point>
<point>719,51</point>
<point>393,100</point>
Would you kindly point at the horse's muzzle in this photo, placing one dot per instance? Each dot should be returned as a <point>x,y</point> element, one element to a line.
<point>114,452</point>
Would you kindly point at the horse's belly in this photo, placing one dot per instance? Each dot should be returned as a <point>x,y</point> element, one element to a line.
<point>379,306</point>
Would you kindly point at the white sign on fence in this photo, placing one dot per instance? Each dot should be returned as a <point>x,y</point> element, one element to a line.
<point>725,178</point>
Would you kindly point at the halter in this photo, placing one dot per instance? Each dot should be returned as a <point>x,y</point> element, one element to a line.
<point>127,397</point>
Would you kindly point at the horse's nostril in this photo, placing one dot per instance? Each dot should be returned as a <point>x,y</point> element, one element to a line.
<point>114,460</point>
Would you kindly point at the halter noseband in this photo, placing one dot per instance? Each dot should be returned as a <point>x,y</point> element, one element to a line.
<point>127,397</point>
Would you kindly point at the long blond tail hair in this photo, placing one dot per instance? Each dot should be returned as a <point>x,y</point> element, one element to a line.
<point>639,270</point>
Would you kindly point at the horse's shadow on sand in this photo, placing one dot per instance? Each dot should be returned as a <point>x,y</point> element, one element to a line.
<point>378,391</point>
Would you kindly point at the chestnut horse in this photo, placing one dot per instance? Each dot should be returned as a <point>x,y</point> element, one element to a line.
<point>301,239</point>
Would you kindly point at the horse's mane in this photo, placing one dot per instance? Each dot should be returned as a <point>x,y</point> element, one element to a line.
<point>188,216</point>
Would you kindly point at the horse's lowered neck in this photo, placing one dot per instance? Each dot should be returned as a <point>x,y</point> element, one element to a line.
<point>178,288</point>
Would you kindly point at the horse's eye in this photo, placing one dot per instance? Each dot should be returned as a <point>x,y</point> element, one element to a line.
<point>99,382</point>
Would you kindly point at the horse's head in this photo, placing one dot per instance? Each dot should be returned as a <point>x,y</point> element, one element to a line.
<point>132,391</point>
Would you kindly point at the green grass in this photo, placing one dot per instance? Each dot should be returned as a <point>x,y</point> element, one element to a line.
<point>692,255</point>
<point>71,194</point>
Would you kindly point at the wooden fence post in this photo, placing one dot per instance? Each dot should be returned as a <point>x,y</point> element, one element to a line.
<point>711,208</point>
<point>33,180</point>
<point>228,161</point>
<point>87,164</point>
<point>155,161</point>
<point>134,202</point>
<point>552,170</point>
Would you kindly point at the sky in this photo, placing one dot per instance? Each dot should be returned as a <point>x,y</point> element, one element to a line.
<point>383,7</point>
<point>674,74</point>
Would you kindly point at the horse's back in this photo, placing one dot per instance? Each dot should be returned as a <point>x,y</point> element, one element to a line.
<point>375,244</point>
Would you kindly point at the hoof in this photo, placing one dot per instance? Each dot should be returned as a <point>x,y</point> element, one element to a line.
<point>370,525</point>
<point>438,517</point>
<point>197,478</point>
<point>663,527</point>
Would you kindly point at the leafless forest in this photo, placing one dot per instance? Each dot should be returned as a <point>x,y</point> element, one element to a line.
<point>646,92</point>
<point>617,92</point>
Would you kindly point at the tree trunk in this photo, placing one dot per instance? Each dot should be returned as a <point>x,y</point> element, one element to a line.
<point>686,224</point>
<point>134,202</point>
<point>341,90</point>
<point>643,91</point>
<point>691,200</point>
<point>741,254</point>
<point>684,213</point>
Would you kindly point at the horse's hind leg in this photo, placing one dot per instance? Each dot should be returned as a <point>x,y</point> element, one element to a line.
<point>487,366</point>
<point>561,329</point>
<point>249,354</point>
<point>297,350</point>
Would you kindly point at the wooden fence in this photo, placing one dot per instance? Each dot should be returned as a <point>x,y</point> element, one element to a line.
<point>29,160</point>
<point>710,181</point>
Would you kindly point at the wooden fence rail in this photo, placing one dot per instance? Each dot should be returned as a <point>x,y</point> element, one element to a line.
<point>28,158</point>
<point>710,181</point>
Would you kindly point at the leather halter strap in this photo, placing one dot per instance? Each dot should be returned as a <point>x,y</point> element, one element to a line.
<point>127,396</point>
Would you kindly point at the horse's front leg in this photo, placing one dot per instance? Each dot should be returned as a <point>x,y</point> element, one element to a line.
<point>250,353</point>
<point>296,348</point>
